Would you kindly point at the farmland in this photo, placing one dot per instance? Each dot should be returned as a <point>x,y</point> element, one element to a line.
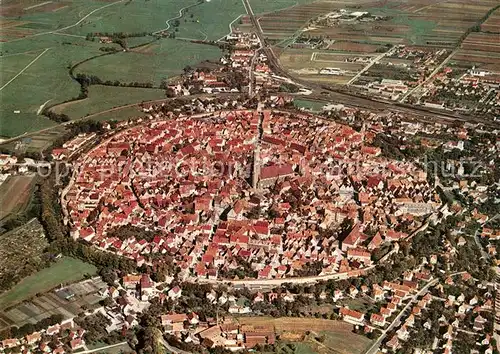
<point>21,251</point>
<point>15,194</point>
<point>42,41</point>
<point>68,302</point>
<point>65,270</point>
<point>338,335</point>
<point>481,50</point>
<point>165,59</point>
<point>492,24</point>
<point>415,23</point>
<point>385,49</point>
<point>102,98</point>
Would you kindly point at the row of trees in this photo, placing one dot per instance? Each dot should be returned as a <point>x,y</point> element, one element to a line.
<point>56,117</point>
<point>19,332</point>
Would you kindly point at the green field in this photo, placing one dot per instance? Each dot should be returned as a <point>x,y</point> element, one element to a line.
<point>65,270</point>
<point>46,80</point>
<point>35,68</point>
<point>102,98</point>
<point>163,59</point>
<point>313,106</point>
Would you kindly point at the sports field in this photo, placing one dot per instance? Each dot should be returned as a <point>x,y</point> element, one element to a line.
<point>66,270</point>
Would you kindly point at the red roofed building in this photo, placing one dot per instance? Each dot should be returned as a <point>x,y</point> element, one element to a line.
<point>270,174</point>
<point>353,239</point>
<point>352,316</point>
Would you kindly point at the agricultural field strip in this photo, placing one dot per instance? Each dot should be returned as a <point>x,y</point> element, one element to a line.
<point>37,5</point>
<point>70,26</point>
<point>24,69</point>
<point>314,56</point>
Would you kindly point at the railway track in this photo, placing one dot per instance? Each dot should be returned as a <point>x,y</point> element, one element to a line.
<point>337,94</point>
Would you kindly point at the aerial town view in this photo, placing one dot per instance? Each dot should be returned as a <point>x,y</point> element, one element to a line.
<point>250,176</point>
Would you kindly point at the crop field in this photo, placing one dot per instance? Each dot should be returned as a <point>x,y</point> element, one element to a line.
<point>168,59</point>
<point>338,334</point>
<point>84,295</point>
<point>492,24</point>
<point>65,270</point>
<point>21,249</point>
<point>45,79</point>
<point>42,40</point>
<point>481,50</point>
<point>417,22</point>
<point>307,63</point>
<point>347,46</point>
<point>102,98</point>
<point>15,194</point>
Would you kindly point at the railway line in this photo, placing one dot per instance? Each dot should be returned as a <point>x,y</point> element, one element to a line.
<point>341,95</point>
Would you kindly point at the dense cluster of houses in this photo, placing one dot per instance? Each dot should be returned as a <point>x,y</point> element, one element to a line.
<point>259,186</point>
<point>414,63</point>
<point>64,337</point>
<point>460,310</point>
<point>71,147</point>
<point>473,91</point>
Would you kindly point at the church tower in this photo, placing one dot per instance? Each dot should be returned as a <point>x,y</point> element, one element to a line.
<point>256,166</point>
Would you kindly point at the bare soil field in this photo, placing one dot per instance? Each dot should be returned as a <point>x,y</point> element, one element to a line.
<point>423,22</point>
<point>339,337</point>
<point>492,24</point>
<point>295,324</point>
<point>14,194</point>
<point>480,49</point>
<point>354,47</point>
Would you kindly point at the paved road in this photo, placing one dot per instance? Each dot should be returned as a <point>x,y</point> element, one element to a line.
<point>341,95</point>
<point>375,346</point>
<point>429,78</point>
<point>171,348</point>
<point>102,348</point>
<point>367,67</point>
<point>276,282</point>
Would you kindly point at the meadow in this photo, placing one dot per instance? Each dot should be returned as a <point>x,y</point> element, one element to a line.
<point>102,98</point>
<point>46,81</point>
<point>163,59</point>
<point>65,270</point>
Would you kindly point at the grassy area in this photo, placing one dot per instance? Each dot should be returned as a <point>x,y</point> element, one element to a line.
<point>314,106</point>
<point>299,335</point>
<point>343,344</point>
<point>210,20</point>
<point>132,16</point>
<point>46,81</point>
<point>65,270</point>
<point>263,6</point>
<point>107,97</point>
<point>15,193</point>
<point>163,59</point>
